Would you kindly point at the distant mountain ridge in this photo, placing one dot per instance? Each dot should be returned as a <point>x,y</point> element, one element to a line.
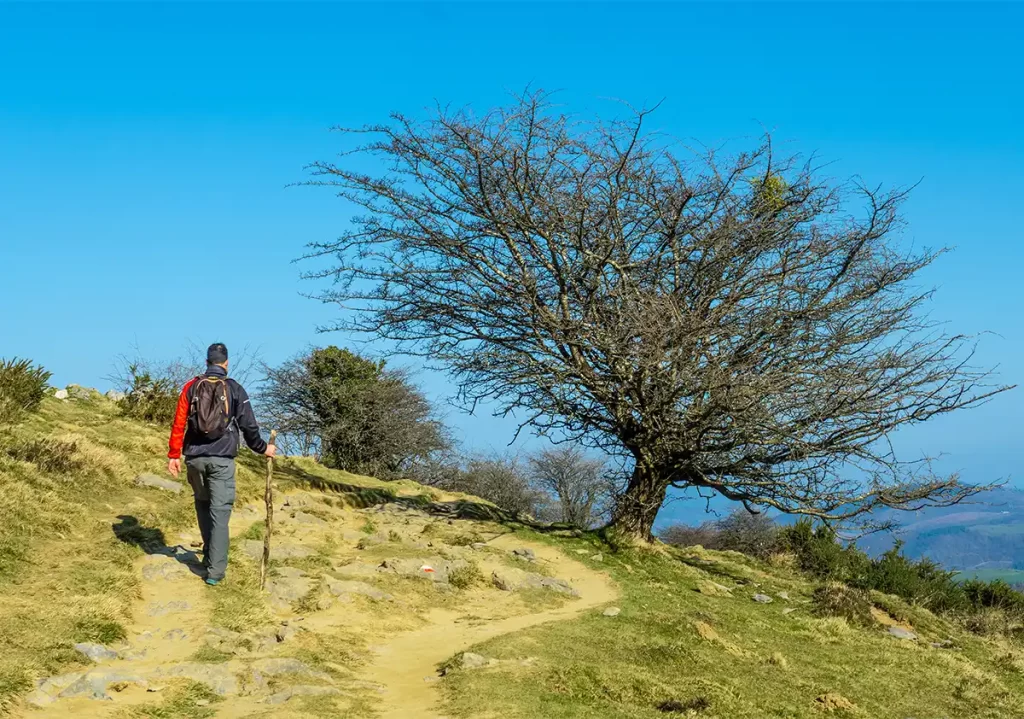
<point>986,533</point>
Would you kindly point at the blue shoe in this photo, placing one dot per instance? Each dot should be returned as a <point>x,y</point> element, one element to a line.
<point>212,582</point>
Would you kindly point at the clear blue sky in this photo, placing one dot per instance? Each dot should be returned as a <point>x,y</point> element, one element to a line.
<point>145,152</point>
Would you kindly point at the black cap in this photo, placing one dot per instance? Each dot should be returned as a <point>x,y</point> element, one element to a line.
<point>217,353</point>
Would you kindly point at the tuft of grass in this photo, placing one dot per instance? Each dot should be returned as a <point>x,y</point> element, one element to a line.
<point>209,655</point>
<point>183,702</point>
<point>466,577</point>
<point>835,599</point>
<point>52,455</point>
<point>22,388</point>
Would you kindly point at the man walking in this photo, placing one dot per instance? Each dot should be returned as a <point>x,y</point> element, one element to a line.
<point>212,410</point>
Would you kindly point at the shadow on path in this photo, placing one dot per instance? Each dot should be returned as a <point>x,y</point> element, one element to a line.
<point>151,541</point>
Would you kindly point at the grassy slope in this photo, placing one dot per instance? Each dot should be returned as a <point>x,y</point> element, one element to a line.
<point>65,577</point>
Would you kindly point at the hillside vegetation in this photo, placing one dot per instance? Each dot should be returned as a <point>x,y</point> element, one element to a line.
<point>510,621</point>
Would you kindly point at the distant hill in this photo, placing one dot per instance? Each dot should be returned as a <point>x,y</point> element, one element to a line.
<point>985,535</point>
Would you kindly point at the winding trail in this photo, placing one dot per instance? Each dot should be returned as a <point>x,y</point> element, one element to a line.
<point>406,666</point>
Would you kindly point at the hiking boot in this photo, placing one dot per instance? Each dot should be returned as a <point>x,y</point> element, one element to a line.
<point>212,582</point>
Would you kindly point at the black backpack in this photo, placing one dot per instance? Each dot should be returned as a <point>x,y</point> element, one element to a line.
<point>210,411</point>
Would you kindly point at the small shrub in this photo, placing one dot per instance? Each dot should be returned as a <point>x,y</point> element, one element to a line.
<point>465,577</point>
<point>674,706</point>
<point>49,454</point>
<point>22,388</point>
<point>149,398</point>
<point>835,599</point>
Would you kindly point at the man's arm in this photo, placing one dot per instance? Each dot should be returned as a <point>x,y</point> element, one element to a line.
<point>174,445</point>
<point>246,420</point>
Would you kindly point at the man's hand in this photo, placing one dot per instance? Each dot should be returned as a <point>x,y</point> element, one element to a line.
<point>270,451</point>
<point>174,467</point>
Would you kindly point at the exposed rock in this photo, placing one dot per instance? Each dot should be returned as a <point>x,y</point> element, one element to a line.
<point>278,550</point>
<point>115,395</point>
<point>525,553</point>
<point>290,572</point>
<point>164,570</point>
<point>301,691</point>
<point>151,480</point>
<point>510,580</point>
<point>162,609</point>
<point>132,655</point>
<point>762,599</point>
<point>612,612</point>
<point>783,596</point>
<point>597,557</point>
<point>217,677</point>
<point>282,665</point>
<point>289,589</point>
<point>304,518</point>
<point>47,689</point>
<point>93,684</point>
<point>300,500</point>
<point>944,644</point>
<point>832,702</point>
<point>77,391</point>
<point>901,633</point>
<point>436,570</point>
<point>175,635</point>
<point>247,513</point>
<point>469,660</point>
<point>341,587</point>
<point>713,589</point>
<point>61,394</point>
<point>789,610</point>
<point>96,652</point>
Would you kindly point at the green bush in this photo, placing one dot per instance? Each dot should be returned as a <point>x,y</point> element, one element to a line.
<point>465,577</point>
<point>22,388</point>
<point>149,398</point>
<point>835,599</point>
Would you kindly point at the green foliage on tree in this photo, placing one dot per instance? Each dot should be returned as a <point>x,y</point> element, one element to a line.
<point>354,413</point>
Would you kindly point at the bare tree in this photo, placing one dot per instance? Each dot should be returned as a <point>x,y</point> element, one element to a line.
<point>723,323</point>
<point>579,484</point>
<point>501,480</point>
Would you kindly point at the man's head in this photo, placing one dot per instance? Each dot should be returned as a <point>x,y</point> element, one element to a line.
<point>217,354</point>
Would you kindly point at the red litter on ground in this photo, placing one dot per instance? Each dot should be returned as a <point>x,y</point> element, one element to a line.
<point>427,568</point>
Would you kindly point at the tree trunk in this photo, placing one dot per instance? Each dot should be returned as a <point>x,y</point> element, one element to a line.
<point>637,508</point>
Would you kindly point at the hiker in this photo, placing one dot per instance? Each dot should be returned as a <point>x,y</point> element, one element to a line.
<point>212,410</point>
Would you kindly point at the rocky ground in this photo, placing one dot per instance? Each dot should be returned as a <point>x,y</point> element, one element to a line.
<point>396,591</point>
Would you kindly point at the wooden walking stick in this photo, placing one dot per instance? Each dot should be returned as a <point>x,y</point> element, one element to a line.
<point>268,497</point>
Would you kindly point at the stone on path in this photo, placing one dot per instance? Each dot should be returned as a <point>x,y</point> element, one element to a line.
<point>93,684</point>
<point>152,480</point>
<point>47,689</point>
<point>61,394</point>
<point>301,690</point>
<point>525,553</point>
<point>217,677</point>
<point>901,633</point>
<point>511,580</point>
<point>762,599</point>
<point>612,612</point>
<point>96,652</point>
<point>285,589</point>
<point>356,569</point>
<point>165,570</point>
<point>469,660</point>
<point>278,550</point>
<point>435,569</point>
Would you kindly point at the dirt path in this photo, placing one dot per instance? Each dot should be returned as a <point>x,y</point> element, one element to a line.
<point>169,636</point>
<point>406,665</point>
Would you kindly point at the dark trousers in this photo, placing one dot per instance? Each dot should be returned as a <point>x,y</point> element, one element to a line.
<point>213,484</point>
